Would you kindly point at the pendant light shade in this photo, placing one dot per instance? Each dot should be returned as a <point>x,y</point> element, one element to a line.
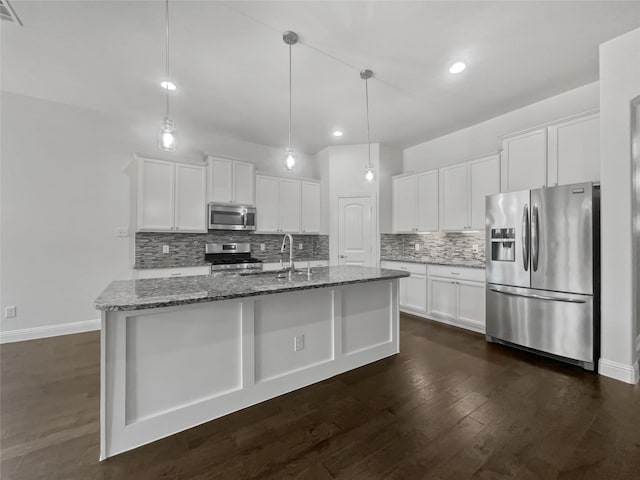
<point>366,75</point>
<point>290,38</point>
<point>167,129</point>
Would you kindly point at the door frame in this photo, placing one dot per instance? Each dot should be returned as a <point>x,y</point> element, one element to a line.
<point>334,232</point>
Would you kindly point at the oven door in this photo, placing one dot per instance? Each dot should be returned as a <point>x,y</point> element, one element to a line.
<point>231,217</point>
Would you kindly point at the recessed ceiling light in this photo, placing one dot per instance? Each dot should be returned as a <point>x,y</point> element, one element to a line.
<point>168,85</point>
<point>337,133</point>
<point>457,67</point>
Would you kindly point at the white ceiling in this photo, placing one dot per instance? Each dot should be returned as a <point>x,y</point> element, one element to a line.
<point>230,63</point>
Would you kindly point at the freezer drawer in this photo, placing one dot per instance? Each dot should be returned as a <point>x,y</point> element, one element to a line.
<point>556,323</point>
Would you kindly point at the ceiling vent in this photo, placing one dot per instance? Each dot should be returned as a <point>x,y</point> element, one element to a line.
<point>7,13</point>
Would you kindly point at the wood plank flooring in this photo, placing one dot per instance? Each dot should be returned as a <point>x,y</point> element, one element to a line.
<point>449,406</point>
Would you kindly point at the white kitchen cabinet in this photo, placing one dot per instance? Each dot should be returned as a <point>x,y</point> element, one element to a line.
<point>290,205</point>
<point>573,150</point>
<point>279,205</point>
<point>190,198</point>
<point>454,198</point>
<point>456,296</point>
<point>310,207</point>
<point>415,203</point>
<point>413,289</point>
<point>484,179</point>
<point>524,161</point>
<point>171,196</point>
<point>231,181</point>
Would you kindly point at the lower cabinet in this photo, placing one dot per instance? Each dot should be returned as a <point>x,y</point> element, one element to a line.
<point>457,296</point>
<point>413,289</point>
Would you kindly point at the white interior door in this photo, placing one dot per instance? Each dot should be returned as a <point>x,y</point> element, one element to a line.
<point>355,231</point>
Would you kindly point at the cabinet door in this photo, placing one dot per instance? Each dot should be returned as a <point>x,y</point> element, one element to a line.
<point>405,204</point>
<point>484,179</point>
<point>310,207</point>
<point>442,297</point>
<point>289,204</point>
<point>427,205</point>
<point>220,180</point>
<point>454,198</point>
<point>243,183</point>
<point>471,303</point>
<point>267,209</point>
<point>191,198</point>
<point>524,161</point>
<point>155,194</point>
<point>416,292</point>
<point>574,151</point>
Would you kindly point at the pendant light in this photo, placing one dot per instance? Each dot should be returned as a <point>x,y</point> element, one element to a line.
<point>366,75</point>
<point>290,38</point>
<point>167,129</point>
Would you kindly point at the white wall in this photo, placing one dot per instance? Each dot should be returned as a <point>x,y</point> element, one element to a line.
<point>65,190</point>
<point>482,138</point>
<point>619,85</point>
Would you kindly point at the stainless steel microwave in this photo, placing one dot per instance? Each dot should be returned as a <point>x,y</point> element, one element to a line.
<point>223,216</point>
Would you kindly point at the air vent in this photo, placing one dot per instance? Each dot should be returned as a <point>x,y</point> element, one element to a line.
<point>8,13</point>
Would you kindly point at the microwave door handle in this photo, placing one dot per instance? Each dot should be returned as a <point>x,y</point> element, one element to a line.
<point>525,237</point>
<point>535,238</point>
<point>244,219</point>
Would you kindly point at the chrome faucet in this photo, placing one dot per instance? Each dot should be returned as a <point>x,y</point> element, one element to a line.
<point>284,242</point>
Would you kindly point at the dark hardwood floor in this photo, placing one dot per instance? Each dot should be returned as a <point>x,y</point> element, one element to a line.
<point>449,406</point>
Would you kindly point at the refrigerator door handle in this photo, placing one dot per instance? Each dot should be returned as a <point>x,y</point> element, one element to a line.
<point>538,297</point>
<point>535,238</point>
<point>525,237</point>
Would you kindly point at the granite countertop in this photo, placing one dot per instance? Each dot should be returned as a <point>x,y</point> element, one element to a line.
<point>435,261</point>
<point>165,292</point>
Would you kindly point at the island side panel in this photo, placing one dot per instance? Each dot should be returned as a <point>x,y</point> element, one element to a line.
<point>169,369</point>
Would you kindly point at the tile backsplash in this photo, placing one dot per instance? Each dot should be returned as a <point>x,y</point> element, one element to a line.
<point>188,248</point>
<point>434,246</point>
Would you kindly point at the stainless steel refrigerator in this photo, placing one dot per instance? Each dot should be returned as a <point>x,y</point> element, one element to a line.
<point>543,271</point>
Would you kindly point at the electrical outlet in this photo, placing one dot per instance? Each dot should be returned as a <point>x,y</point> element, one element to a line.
<point>10,311</point>
<point>122,232</point>
<point>298,343</point>
<point>300,246</point>
<point>165,248</point>
<point>475,249</point>
<point>263,247</point>
<point>417,247</point>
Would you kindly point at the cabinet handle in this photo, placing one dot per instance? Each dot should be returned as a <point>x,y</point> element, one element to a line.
<point>176,274</point>
<point>455,273</point>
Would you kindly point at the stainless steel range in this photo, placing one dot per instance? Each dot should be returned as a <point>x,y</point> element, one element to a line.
<point>231,257</point>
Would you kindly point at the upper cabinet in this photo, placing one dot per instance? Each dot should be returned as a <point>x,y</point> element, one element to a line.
<point>171,196</point>
<point>484,179</point>
<point>310,207</point>
<point>454,198</point>
<point>574,151</point>
<point>231,181</point>
<point>286,205</point>
<point>560,153</point>
<point>463,189</point>
<point>415,203</point>
<point>524,161</point>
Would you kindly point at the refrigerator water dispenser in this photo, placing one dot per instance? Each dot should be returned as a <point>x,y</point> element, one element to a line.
<point>503,244</point>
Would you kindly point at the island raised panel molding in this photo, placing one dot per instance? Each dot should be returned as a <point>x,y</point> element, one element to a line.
<point>164,370</point>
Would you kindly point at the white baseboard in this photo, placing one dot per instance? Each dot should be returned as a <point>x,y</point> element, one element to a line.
<point>619,371</point>
<point>22,334</point>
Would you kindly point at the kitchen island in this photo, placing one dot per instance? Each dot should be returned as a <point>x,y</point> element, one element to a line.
<point>178,352</point>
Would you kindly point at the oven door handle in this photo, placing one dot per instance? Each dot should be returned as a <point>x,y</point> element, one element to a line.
<point>539,297</point>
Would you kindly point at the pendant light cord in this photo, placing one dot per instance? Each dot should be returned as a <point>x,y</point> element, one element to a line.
<point>289,96</point>
<point>366,92</point>
<point>166,9</point>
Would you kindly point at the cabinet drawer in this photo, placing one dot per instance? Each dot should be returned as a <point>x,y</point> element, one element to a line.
<point>172,272</point>
<point>414,268</point>
<point>459,273</point>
